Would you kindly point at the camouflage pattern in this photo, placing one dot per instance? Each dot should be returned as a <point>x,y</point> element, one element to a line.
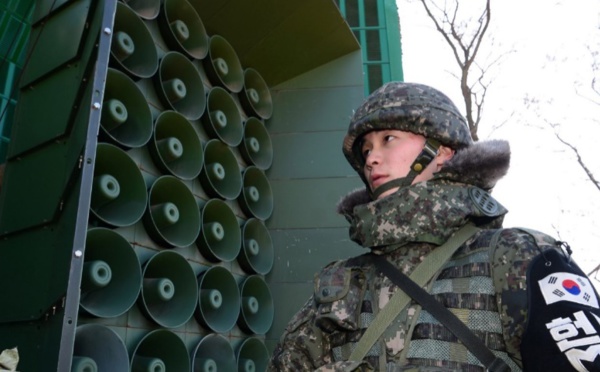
<point>409,107</point>
<point>484,283</point>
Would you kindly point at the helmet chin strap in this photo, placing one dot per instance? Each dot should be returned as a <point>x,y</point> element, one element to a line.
<point>429,152</point>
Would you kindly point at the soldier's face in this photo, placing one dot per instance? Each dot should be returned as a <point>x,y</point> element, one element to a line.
<point>388,155</point>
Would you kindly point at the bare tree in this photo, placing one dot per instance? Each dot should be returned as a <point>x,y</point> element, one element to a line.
<point>465,38</point>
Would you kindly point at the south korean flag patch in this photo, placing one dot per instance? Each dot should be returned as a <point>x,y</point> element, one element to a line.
<point>563,318</point>
<point>564,286</point>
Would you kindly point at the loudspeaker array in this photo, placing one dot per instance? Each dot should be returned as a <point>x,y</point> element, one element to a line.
<point>177,247</point>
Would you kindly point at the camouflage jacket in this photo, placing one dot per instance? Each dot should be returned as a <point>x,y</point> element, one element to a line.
<point>484,283</point>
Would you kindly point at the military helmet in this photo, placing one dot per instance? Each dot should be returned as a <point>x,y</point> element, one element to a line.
<point>409,107</point>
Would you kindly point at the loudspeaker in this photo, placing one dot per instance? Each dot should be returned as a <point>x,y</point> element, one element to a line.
<point>119,194</point>
<point>160,351</point>
<point>256,198</point>
<point>126,119</point>
<point>147,9</point>
<point>256,147</point>
<point>219,300</point>
<point>132,46</point>
<point>214,353</point>
<point>220,238</point>
<point>222,118</point>
<point>172,218</point>
<point>255,96</point>
<point>170,289</point>
<point>182,29</point>
<point>111,276</point>
<point>179,86</point>
<point>256,315</point>
<point>220,177</point>
<point>176,147</point>
<point>252,355</point>
<point>257,255</point>
<point>222,65</point>
<point>98,348</point>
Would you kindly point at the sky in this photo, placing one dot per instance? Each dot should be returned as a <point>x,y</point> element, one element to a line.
<point>546,47</point>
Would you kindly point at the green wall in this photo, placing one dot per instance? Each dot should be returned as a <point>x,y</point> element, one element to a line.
<point>309,176</point>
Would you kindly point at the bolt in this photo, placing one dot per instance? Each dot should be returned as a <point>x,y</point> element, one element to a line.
<point>107,31</point>
<point>78,253</point>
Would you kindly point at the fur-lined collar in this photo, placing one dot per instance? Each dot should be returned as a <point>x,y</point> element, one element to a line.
<point>481,165</point>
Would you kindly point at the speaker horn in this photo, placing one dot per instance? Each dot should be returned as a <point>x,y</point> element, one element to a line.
<point>256,198</point>
<point>214,353</point>
<point>169,290</point>
<point>172,218</point>
<point>146,9</point>
<point>221,237</point>
<point>255,96</point>
<point>126,118</point>
<point>176,146</point>
<point>179,86</point>
<point>222,65</point>
<point>256,315</point>
<point>111,276</point>
<point>160,350</point>
<point>256,147</point>
<point>183,30</point>
<point>219,299</point>
<point>132,46</point>
<point>98,348</point>
<point>119,194</point>
<point>222,118</point>
<point>220,177</point>
<point>257,255</point>
<point>252,355</point>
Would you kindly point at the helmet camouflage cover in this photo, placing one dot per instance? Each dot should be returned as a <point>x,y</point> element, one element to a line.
<point>408,107</point>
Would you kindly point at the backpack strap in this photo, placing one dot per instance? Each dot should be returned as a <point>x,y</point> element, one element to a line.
<point>420,275</point>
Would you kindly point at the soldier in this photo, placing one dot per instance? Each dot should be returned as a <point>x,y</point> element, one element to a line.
<point>516,290</point>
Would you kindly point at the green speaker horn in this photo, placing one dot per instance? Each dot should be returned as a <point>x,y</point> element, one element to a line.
<point>219,299</point>
<point>119,194</point>
<point>223,66</point>
<point>256,198</point>
<point>255,96</point>
<point>146,9</point>
<point>220,177</point>
<point>176,147</point>
<point>256,315</point>
<point>126,118</point>
<point>256,147</point>
<point>222,118</point>
<point>132,47</point>
<point>98,348</point>
<point>160,350</point>
<point>170,289</point>
<point>252,355</point>
<point>111,276</point>
<point>182,29</point>
<point>221,237</point>
<point>257,255</point>
<point>172,218</point>
<point>179,86</point>
<point>214,353</point>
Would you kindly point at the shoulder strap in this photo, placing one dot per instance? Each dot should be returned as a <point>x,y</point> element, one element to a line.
<point>420,275</point>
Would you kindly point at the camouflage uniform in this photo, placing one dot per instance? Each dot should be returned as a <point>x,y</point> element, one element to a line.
<point>484,283</point>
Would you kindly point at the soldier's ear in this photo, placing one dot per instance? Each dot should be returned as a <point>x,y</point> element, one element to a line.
<point>444,154</point>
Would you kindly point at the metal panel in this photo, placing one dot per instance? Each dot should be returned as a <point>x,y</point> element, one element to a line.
<point>53,99</point>
<point>57,40</point>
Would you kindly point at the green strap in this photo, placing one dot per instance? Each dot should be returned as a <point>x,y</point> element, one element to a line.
<point>421,275</point>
